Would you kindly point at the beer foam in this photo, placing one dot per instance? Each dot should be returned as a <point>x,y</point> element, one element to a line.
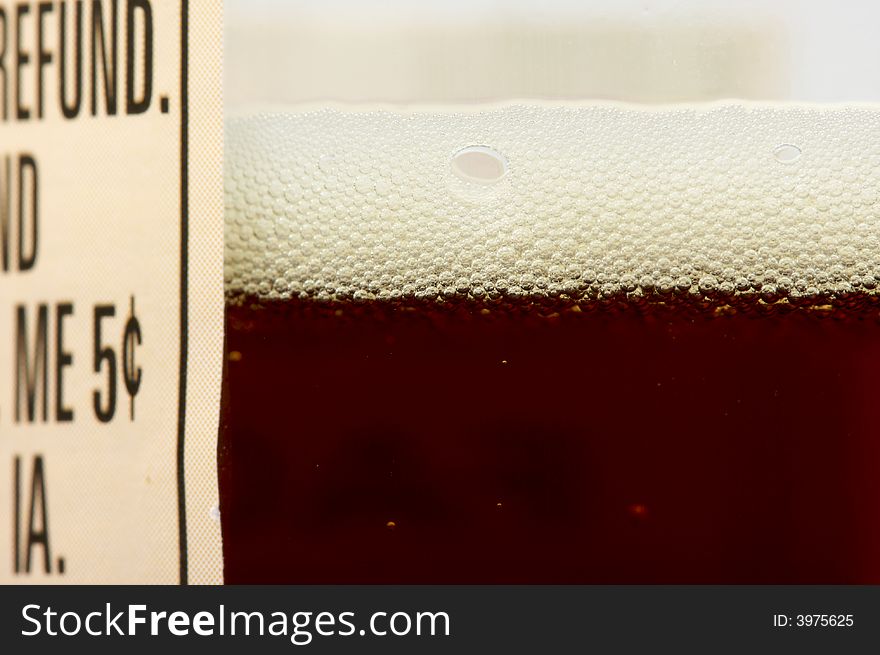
<point>717,204</point>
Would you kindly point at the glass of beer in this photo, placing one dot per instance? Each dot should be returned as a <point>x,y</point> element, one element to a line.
<point>552,341</point>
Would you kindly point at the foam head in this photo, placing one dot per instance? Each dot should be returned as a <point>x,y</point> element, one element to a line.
<point>715,205</point>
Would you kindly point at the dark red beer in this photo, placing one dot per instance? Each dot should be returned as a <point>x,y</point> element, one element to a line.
<point>521,442</point>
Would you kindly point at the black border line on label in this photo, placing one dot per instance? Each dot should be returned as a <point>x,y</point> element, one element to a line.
<point>184,288</point>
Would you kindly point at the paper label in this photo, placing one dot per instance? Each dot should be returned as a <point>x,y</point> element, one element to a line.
<point>111,291</point>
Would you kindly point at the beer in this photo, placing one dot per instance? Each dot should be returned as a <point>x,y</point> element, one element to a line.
<point>616,345</point>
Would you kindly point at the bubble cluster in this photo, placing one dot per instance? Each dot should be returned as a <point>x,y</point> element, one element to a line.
<point>598,203</point>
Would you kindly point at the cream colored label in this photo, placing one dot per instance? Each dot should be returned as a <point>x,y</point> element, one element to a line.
<point>110,291</point>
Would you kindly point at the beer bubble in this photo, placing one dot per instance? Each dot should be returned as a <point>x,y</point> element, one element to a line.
<point>786,153</point>
<point>327,163</point>
<point>479,164</point>
<point>638,510</point>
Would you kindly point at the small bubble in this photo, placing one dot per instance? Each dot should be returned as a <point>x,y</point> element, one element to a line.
<point>234,356</point>
<point>327,163</point>
<point>391,525</point>
<point>479,164</point>
<point>638,510</point>
<point>214,513</point>
<point>382,188</point>
<point>786,153</point>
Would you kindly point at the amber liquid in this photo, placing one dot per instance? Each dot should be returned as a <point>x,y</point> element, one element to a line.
<point>432,444</point>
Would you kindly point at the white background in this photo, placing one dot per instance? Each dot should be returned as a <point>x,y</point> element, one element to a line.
<point>807,50</point>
